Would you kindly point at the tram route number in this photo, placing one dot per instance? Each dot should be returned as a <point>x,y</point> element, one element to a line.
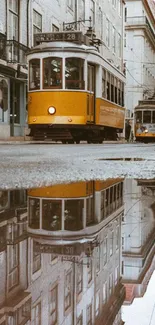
<point>61,37</point>
<point>71,250</point>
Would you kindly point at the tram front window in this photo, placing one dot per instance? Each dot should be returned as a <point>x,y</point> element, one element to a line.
<point>34,69</point>
<point>74,72</point>
<point>73,215</point>
<point>153,116</point>
<point>52,73</point>
<point>34,213</point>
<point>147,117</point>
<point>51,215</point>
<point>139,117</point>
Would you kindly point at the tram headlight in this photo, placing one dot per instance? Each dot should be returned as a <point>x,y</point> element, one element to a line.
<point>146,131</point>
<point>51,110</point>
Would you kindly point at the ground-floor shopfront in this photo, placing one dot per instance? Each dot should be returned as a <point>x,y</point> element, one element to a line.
<point>12,103</point>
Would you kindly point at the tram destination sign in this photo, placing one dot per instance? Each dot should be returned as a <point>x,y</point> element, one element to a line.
<point>69,36</point>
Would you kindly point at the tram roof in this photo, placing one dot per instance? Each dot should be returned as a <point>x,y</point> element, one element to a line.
<point>61,46</point>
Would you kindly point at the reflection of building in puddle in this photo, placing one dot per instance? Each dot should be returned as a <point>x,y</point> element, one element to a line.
<point>15,301</point>
<point>75,253</point>
<point>138,234</point>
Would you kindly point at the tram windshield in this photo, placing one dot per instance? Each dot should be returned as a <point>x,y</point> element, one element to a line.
<point>74,73</point>
<point>139,116</point>
<point>52,73</point>
<point>34,69</point>
<point>147,117</point>
<point>51,215</point>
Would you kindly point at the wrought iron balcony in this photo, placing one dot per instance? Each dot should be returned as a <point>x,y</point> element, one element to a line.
<point>16,52</point>
<point>2,46</point>
<point>12,51</point>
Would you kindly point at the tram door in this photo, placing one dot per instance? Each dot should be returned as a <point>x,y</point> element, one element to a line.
<point>91,94</point>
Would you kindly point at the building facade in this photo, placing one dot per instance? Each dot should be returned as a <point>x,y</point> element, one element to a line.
<point>138,228</point>
<point>139,52</point>
<point>21,19</point>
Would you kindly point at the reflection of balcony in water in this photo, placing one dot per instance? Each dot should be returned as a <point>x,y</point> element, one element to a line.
<point>138,231</point>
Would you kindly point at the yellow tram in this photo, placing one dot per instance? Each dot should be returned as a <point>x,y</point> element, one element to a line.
<point>74,94</point>
<point>145,120</point>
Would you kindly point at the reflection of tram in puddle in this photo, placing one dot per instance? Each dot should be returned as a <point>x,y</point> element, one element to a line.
<point>78,226</point>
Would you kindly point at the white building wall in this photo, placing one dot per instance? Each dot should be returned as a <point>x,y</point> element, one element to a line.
<point>139,54</point>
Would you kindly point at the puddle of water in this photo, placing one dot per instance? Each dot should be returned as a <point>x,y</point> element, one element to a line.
<point>62,241</point>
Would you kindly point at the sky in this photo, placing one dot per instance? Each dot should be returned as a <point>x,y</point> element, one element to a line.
<point>142,310</point>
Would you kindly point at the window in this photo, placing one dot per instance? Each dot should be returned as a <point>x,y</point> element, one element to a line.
<point>37,22</point>
<point>89,314</point>
<point>68,289</point>
<point>108,85</point>
<point>79,283</point>
<point>3,99</point>
<point>36,261</point>
<point>70,4</point>
<point>147,117</point>
<point>13,20</point>
<point>92,11</point>
<point>153,116</point>
<point>116,275</point>
<point>97,255</point>
<point>90,211</point>
<point>97,304</point>
<point>117,238</point>
<point>36,314</point>
<point>82,10</point>
<point>107,32</point>
<point>52,73</point>
<point>125,14</point>
<point>111,242</point>
<point>125,40</point>
<point>74,215</point>
<point>104,292</point>
<point>139,116</point>
<point>114,3</point>
<point>110,284</point>
<point>80,320</point>
<point>55,28</point>
<point>51,214</point>
<point>13,266</point>
<point>74,73</point>
<point>34,213</point>
<point>116,94</point>
<point>90,270</point>
<point>105,245</point>
<point>122,269</point>
<point>54,306</point>
<point>103,83</point>
<point>119,46</point>
<point>24,312</point>
<point>120,7</point>
<point>114,39</point>
<point>112,89</point>
<point>34,69</point>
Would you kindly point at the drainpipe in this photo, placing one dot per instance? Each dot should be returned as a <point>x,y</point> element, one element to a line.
<point>28,1</point>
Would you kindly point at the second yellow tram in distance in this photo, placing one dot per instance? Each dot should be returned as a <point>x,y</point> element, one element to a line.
<point>74,93</point>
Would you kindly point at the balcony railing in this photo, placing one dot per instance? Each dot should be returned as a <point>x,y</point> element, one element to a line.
<point>140,20</point>
<point>12,51</point>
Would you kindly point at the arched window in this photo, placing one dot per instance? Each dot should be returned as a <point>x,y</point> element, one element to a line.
<point>34,73</point>
<point>52,76</point>
<point>74,73</point>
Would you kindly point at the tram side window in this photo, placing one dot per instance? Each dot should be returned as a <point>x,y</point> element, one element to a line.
<point>34,69</point>
<point>108,86</point>
<point>147,117</point>
<point>112,88</point>
<point>139,117</point>
<point>153,116</point>
<point>103,83</point>
<point>52,73</point>
<point>122,94</point>
<point>116,97</point>
<point>74,73</point>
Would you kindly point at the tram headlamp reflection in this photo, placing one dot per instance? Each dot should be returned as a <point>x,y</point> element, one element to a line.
<point>51,110</point>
